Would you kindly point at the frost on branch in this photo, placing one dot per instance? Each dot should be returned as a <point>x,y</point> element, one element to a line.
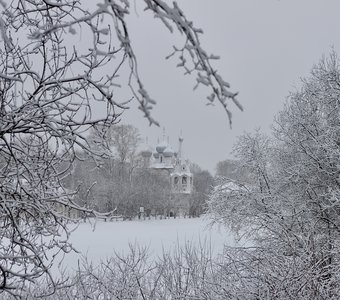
<point>192,57</point>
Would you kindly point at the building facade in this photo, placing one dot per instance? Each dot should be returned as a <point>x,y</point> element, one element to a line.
<point>167,162</point>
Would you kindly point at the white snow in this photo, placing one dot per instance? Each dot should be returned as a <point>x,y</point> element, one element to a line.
<point>110,237</point>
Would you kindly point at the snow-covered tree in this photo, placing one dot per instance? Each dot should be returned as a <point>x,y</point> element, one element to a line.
<point>235,203</point>
<point>59,60</point>
<point>290,209</point>
<point>308,131</point>
<point>203,183</point>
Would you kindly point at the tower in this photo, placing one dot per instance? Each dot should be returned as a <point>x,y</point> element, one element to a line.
<point>165,162</point>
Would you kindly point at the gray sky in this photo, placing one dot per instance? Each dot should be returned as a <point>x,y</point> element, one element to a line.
<point>266,46</point>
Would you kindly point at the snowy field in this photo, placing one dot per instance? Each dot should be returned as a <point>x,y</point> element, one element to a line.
<point>106,238</point>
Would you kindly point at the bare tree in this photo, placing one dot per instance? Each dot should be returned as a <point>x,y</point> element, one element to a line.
<point>203,183</point>
<point>122,142</point>
<point>184,273</point>
<point>118,167</point>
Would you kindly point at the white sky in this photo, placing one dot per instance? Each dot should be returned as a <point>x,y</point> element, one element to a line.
<point>266,46</point>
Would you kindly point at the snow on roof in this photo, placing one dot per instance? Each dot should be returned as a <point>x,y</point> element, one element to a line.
<point>229,186</point>
<point>162,166</point>
<point>168,151</point>
<point>176,173</point>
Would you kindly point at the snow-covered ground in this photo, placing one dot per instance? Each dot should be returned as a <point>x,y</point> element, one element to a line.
<point>106,238</point>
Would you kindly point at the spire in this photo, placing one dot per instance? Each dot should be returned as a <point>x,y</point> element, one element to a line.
<point>162,144</point>
<point>180,139</point>
<point>163,133</point>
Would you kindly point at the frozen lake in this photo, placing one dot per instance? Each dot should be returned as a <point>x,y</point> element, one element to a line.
<point>106,238</point>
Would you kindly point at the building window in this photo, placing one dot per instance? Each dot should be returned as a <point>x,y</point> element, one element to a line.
<point>184,180</point>
<point>176,180</point>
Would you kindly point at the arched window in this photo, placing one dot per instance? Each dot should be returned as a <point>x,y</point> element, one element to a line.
<point>184,180</point>
<point>175,180</point>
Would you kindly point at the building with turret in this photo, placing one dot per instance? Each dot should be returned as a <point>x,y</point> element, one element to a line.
<point>167,162</point>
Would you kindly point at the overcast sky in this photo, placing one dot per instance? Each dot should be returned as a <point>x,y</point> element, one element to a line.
<point>266,46</point>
